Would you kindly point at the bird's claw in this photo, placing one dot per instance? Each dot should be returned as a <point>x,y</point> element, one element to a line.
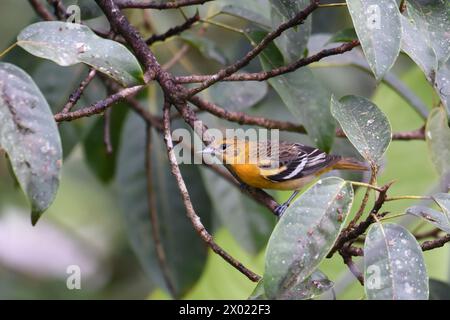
<point>244,187</point>
<point>279,211</point>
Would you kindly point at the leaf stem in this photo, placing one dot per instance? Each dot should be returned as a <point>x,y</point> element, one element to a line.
<point>365,185</point>
<point>8,49</point>
<point>398,215</point>
<point>222,25</point>
<point>331,5</point>
<point>408,198</point>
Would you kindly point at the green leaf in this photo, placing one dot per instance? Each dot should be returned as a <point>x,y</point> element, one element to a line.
<point>248,222</point>
<point>378,26</point>
<point>394,268</point>
<point>29,135</point>
<point>258,293</point>
<point>345,35</point>
<point>205,46</point>
<point>89,9</point>
<point>271,53</point>
<point>432,19</point>
<point>365,125</point>
<point>443,201</point>
<point>311,288</point>
<point>102,164</point>
<point>305,234</point>
<point>418,49</point>
<point>238,96</point>
<point>185,252</point>
<point>442,84</point>
<point>438,219</point>
<point>438,140</point>
<point>439,290</point>
<point>292,42</point>
<point>250,10</point>
<point>68,44</point>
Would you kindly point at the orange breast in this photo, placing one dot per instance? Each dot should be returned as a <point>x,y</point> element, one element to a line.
<point>250,174</point>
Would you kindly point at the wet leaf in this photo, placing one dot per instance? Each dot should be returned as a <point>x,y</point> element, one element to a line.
<point>206,47</point>
<point>443,201</point>
<point>432,19</point>
<point>255,11</point>
<point>418,49</point>
<point>305,234</point>
<point>29,135</point>
<point>258,293</point>
<point>68,44</point>
<point>186,254</point>
<point>438,140</point>
<point>439,290</point>
<point>438,219</point>
<point>292,42</point>
<point>394,268</point>
<point>311,288</point>
<point>365,125</point>
<point>378,26</point>
<point>238,96</point>
<point>102,164</point>
<point>345,35</point>
<point>442,84</point>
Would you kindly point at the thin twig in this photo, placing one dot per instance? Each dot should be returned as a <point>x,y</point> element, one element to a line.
<point>192,215</point>
<point>76,95</point>
<point>150,4</point>
<point>350,234</point>
<point>107,131</point>
<point>41,10</point>
<point>99,106</point>
<point>433,244</point>
<point>174,31</point>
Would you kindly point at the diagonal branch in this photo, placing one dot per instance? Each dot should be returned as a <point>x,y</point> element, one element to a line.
<point>192,215</point>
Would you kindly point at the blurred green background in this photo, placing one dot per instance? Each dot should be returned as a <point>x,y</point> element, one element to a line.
<point>85,225</point>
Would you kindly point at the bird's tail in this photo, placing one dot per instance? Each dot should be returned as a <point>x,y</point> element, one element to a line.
<point>351,164</point>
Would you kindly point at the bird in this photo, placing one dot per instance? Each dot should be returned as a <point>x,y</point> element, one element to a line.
<point>278,166</point>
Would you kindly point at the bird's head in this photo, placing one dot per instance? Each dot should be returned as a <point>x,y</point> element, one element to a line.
<point>229,151</point>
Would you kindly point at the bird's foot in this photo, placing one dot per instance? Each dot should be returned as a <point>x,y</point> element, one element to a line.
<point>279,211</point>
<point>244,187</point>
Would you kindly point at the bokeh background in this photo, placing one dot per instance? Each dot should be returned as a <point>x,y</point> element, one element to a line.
<point>86,226</point>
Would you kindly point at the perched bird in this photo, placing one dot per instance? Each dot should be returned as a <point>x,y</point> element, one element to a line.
<point>279,166</point>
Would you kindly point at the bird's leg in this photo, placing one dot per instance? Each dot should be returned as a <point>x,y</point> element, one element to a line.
<point>282,208</point>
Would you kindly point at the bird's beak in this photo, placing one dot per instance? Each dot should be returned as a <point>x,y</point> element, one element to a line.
<point>208,150</point>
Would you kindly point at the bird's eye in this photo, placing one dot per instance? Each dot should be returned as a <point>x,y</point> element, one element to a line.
<point>223,146</point>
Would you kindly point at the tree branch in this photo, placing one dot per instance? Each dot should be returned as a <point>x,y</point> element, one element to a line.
<point>195,219</point>
<point>41,10</point>
<point>150,4</point>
